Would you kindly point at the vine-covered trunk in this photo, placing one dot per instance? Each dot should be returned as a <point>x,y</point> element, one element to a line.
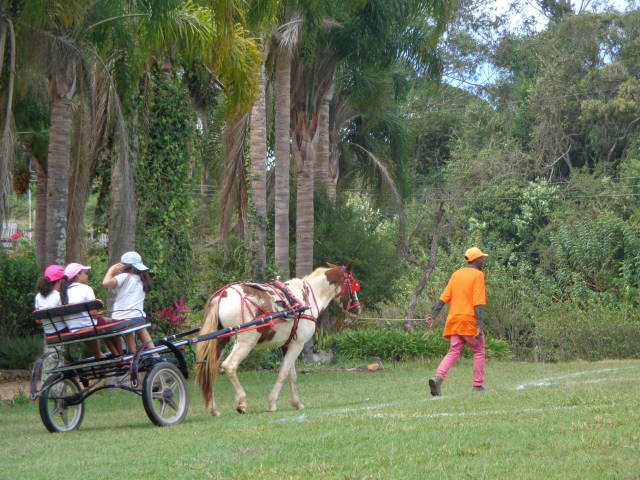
<point>58,160</point>
<point>283,151</point>
<point>258,150</point>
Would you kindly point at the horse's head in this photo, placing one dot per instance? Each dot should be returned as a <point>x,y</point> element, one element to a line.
<point>349,286</point>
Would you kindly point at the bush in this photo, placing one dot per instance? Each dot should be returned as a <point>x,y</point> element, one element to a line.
<point>21,352</point>
<point>565,333</point>
<point>18,276</point>
<point>399,345</point>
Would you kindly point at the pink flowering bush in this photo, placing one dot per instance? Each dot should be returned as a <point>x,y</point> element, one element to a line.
<point>171,319</point>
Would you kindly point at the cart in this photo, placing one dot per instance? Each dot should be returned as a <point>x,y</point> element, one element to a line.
<point>69,381</point>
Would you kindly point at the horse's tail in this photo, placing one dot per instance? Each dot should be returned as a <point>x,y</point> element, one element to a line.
<point>207,354</point>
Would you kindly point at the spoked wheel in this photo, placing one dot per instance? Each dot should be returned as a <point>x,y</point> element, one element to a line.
<point>57,415</point>
<point>165,395</point>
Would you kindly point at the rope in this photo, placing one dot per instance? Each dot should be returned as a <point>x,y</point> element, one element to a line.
<point>356,317</point>
<point>427,320</point>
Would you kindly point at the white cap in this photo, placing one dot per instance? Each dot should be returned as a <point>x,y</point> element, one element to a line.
<point>134,258</point>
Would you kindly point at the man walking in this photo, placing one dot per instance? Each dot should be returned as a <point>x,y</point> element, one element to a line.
<point>465,294</point>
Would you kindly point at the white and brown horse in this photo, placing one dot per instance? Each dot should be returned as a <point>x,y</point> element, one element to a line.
<point>242,302</point>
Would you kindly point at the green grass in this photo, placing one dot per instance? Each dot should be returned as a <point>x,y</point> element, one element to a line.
<point>541,421</point>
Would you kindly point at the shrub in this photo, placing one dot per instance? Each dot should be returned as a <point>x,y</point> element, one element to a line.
<point>564,333</point>
<point>18,276</point>
<point>399,345</point>
<point>20,352</point>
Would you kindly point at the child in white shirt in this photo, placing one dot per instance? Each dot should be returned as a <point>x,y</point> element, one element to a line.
<point>132,281</point>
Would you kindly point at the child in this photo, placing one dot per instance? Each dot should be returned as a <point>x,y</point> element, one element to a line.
<point>48,288</point>
<point>76,290</point>
<point>132,281</point>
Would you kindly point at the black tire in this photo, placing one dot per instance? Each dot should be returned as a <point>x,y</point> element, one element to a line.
<point>55,413</point>
<point>164,395</point>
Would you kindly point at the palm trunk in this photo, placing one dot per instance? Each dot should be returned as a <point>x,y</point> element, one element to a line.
<point>7,139</point>
<point>41,214</point>
<point>82,169</point>
<point>334,164</point>
<point>58,161</point>
<point>323,144</point>
<point>304,154</point>
<point>283,130</point>
<point>258,149</point>
<point>122,206</point>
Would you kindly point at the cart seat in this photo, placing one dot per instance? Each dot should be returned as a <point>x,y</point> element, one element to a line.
<point>118,327</point>
<point>96,331</point>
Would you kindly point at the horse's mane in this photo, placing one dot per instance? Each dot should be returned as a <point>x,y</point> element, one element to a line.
<point>317,272</point>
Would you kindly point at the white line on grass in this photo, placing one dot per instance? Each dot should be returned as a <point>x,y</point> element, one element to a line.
<point>546,382</point>
<point>490,412</point>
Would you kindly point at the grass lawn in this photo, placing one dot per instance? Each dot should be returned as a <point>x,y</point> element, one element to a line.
<point>540,421</point>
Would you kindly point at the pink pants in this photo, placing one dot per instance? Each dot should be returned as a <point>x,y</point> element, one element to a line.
<point>457,343</point>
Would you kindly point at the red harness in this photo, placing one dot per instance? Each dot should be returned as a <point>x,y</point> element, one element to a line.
<point>284,294</point>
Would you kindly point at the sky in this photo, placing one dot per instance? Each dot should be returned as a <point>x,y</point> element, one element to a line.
<point>530,9</point>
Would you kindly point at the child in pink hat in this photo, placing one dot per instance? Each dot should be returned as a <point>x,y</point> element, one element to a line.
<point>48,288</point>
<point>75,290</point>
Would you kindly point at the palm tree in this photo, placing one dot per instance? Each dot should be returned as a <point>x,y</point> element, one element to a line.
<point>285,41</point>
<point>258,151</point>
<point>375,34</point>
<point>7,134</point>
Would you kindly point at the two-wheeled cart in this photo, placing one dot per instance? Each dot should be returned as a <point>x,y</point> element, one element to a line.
<point>68,381</point>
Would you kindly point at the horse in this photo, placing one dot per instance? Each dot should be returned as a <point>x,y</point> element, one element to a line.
<point>241,302</point>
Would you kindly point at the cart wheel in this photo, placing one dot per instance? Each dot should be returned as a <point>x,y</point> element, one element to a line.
<point>56,414</point>
<point>165,395</point>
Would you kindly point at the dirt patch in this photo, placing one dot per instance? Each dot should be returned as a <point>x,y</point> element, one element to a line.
<point>12,382</point>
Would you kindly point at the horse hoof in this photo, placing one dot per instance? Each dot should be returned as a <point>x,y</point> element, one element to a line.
<point>215,413</point>
<point>241,410</point>
<point>299,406</point>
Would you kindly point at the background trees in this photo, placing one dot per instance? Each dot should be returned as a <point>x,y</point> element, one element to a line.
<point>153,122</point>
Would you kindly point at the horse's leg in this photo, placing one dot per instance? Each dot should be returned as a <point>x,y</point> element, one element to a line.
<point>240,350</point>
<point>293,379</point>
<point>288,364</point>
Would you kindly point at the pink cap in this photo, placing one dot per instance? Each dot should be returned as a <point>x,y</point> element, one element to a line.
<point>73,269</point>
<point>53,273</point>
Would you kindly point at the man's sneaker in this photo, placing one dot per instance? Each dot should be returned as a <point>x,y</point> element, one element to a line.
<point>434,386</point>
<point>479,388</point>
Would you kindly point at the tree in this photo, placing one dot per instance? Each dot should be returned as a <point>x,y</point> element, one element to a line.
<point>7,151</point>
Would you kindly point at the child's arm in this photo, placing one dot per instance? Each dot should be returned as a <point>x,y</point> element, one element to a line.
<point>109,279</point>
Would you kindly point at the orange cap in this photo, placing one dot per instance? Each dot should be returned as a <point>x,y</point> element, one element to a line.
<point>473,253</point>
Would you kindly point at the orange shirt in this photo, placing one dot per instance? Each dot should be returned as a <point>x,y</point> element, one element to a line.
<point>464,291</point>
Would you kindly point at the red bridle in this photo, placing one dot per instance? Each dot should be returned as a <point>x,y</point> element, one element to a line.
<point>352,285</point>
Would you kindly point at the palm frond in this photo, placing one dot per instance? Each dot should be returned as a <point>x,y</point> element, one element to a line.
<point>233,194</point>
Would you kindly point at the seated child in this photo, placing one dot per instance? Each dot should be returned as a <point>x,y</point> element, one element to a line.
<point>75,290</point>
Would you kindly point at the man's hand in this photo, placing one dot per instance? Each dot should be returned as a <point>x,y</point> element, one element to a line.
<point>479,334</point>
<point>429,321</point>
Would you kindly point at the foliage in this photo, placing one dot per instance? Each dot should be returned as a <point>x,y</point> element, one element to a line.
<point>566,333</point>
<point>399,345</point>
<point>20,352</point>
<point>18,276</point>
<point>352,231</point>
<point>170,320</point>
